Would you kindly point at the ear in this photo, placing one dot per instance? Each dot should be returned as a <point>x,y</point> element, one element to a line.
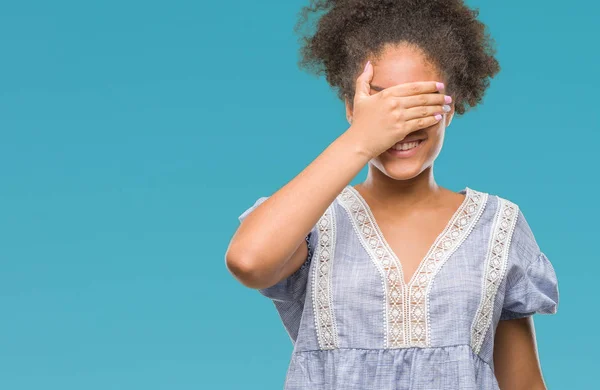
<point>449,116</point>
<point>348,110</point>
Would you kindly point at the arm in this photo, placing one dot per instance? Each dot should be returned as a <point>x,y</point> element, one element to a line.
<point>269,244</point>
<point>516,360</point>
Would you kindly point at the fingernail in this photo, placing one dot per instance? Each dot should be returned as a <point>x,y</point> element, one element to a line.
<point>438,117</point>
<point>448,99</point>
<point>439,86</point>
<point>446,108</point>
<point>368,62</point>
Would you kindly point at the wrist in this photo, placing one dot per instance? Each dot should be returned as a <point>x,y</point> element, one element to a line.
<point>353,143</point>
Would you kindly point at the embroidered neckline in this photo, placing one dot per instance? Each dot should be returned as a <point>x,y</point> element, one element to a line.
<point>406,306</point>
<point>451,224</point>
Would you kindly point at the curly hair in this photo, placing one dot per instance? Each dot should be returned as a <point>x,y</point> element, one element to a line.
<point>446,31</point>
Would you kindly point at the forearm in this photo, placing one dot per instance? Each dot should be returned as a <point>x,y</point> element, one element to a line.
<point>274,230</point>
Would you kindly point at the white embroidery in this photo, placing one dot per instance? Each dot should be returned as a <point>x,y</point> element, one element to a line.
<point>389,270</point>
<point>406,306</point>
<point>458,229</point>
<point>325,324</point>
<point>496,261</point>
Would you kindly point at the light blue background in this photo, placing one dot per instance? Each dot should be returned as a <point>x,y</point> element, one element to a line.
<point>133,134</point>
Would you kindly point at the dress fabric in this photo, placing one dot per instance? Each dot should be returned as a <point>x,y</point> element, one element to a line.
<point>356,324</point>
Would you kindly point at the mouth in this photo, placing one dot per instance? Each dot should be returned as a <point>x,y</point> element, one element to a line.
<point>406,149</point>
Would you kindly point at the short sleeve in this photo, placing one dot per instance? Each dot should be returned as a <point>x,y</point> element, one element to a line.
<point>531,282</point>
<point>292,288</point>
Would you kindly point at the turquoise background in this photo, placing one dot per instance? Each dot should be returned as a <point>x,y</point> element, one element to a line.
<point>133,134</point>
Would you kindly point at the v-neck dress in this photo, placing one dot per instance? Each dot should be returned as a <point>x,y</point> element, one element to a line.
<point>356,324</point>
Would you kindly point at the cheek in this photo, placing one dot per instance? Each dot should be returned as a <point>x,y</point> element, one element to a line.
<point>436,141</point>
<point>433,145</point>
<point>439,133</point>
<point>436,132</point>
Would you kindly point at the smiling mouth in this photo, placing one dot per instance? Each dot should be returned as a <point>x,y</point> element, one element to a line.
<point>402,146</point>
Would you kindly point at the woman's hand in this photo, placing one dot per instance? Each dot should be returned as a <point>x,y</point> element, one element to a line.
<point>381,120</point>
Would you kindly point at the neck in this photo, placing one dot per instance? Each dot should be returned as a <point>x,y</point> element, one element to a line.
<point>393,194</point>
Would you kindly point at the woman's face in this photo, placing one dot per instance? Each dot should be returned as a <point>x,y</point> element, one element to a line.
<point>397,65</point>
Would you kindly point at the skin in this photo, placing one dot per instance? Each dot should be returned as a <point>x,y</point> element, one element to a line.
<point>516,360</point>
<point>411,209</point>
<point>408,205</point>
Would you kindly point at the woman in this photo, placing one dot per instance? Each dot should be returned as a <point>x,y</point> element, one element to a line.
<point>397,282</point>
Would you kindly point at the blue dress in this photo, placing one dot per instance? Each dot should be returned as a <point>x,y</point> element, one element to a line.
<point>356,324</point>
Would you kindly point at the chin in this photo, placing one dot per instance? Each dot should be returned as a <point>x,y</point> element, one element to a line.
<point>401,170</point>
<point>404,173</point>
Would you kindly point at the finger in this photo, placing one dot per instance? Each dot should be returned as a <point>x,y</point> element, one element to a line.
<point>414,88</point>
<point>424,111</point>
<point>427,99</point>
<point>421,123</point>
<point>363,88</point>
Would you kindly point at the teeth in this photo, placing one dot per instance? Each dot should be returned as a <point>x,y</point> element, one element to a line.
<point>406,146</point>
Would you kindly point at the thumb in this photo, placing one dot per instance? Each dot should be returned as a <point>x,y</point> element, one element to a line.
<point>363,87</point>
